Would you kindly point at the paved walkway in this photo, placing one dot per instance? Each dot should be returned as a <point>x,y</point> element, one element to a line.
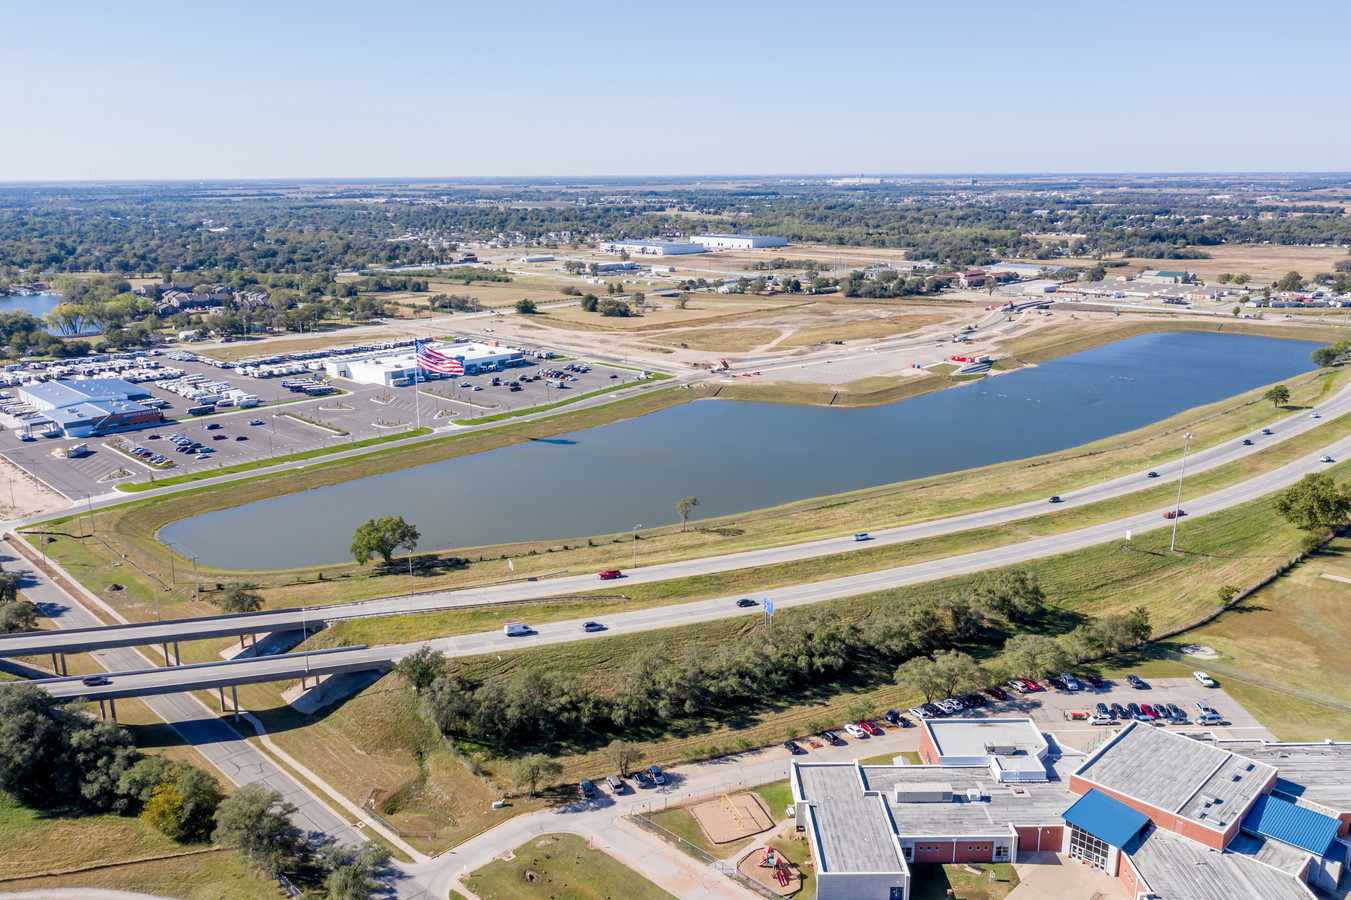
<point>1050,876</point>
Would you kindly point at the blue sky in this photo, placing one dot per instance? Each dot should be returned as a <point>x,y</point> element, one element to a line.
<point>293,88</point>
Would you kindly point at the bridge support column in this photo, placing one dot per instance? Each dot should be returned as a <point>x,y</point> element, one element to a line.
<point>166,654</point>
<point>103,713</point>
<point>178,657</point>
<point>56,669</point>
<point>112,708</point>
<point>234,699</point>
<point>222,698</point>
<point>62,670</point>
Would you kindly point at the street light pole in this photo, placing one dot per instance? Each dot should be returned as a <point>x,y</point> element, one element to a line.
<point>90,501</point>
<point>635,544</point>
<point>1177,508</point>
<point>196,581</point>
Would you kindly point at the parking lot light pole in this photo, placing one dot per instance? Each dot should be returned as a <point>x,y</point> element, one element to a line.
<point>1177,508</point>
<point>635,545</point>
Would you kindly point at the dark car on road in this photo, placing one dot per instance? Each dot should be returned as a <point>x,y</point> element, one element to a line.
<point>1152,475</point>
<point>96,680</point>
<point>745,602</point>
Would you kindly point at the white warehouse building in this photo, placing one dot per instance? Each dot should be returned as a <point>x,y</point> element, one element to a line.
<point>395,368</point>
<point>738,241</point>
<point>652,248</point>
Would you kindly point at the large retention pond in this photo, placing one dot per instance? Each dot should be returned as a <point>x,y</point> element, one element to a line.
<point>737,456</point>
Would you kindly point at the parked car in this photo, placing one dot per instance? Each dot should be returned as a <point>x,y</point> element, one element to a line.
<point>831,738</point>
<point>1119,711</point>
<point>1149,710</point>
<point>1133,709</point>
<point>213,426</point>
<point>934,710</point>
<point>1210,718</point>
<point>1057,683</point>
<point>1204,679</point>
<point>997,693</point>
<point>974,700</point>
<point>241,437</point>
<point>920,712</point>
<point>1135,682</point>
<point>610,573</point>
<point>1017,685</point>
<point>1032,686</point>
<point>616,783</point>
<point>588,790</point>
<point>1101,720</point>
<point>1095,681</point>
<point>1176,713</point>
<point>870,728</point>
<point>1202,707</point>
<point>793,748</point>
<point>1103,710</point>
<point>256,422</point>
<point>892,716</point>
<point>655,772</point>
<point>1070,683</point>
<point>855,731</point>
<point>746,602</point>
<point>592,626</point>
<point>640,780</point>
<point>220,437</point>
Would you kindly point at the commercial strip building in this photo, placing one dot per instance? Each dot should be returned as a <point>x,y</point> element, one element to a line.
<point>1172,816</point>
<point>88,407</point>
<point>395,368</point>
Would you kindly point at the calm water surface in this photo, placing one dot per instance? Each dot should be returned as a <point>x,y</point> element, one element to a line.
<point>737,456</point>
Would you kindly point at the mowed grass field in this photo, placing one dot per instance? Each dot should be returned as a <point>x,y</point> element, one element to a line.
<point>561,867</point>
<point>1264,262</point>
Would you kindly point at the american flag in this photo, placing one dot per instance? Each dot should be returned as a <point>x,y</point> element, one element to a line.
<point>431,361</point>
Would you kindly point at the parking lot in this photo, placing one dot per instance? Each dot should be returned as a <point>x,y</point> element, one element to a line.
<point>1051,709</point>
<point>291,422</point>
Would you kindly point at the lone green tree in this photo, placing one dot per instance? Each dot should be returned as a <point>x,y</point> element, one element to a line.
<point>17,615</point>
<point>1279,395</point>
<point>258,821</point>
<point>526,307</point>
<point>421,667</point>
<point>352,870</point>
<point>240,597</point>
<point>1331,355</point>
<point>624,755</point>
<point>684,507</point>
<point>531,769</point>
<point>381,537</point>
<point>1313,502</point>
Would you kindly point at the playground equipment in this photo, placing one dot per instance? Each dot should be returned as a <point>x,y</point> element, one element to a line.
<point>736,812</point>
<point>780,866</point>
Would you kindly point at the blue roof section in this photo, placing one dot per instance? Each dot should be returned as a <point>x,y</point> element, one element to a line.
<point>1291,824</point>
<point>1106,818</point>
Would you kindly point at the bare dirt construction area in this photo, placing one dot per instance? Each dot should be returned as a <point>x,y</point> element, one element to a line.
<point>769,867</point>
<point>732,817</point>
<point>1264,262</point>
<point>23,495</point>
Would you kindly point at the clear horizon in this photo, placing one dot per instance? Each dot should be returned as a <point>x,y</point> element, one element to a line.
<point>159,91</point>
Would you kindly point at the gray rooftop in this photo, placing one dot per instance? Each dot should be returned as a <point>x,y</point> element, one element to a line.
<point>855,832</point>
<point>984,737</point>
<point>1002,805</point>
<point>1178,869</point>
<point>1317,773</point>
<point>1177,774</point>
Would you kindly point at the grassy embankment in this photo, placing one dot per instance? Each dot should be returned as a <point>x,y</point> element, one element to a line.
<point>378,739</point>
<point>130,529</point>
<point>560,866</point>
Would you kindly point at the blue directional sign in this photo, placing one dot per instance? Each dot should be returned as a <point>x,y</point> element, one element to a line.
<point>769,606</point>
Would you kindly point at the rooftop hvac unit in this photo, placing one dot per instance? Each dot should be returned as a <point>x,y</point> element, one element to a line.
<point>974,795</point>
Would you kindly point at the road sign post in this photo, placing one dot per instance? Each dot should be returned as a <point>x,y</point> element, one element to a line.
<point>769,611</point>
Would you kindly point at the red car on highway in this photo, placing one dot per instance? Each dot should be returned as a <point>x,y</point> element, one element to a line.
<point>610,573</point>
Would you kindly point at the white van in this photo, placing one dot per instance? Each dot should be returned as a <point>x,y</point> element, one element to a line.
<point>516,629</point>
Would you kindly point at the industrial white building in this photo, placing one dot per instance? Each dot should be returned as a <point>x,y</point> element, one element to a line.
<point>738,241</point>
<point>87,407</point>
<point>653,248</point>
<point>395,368</point>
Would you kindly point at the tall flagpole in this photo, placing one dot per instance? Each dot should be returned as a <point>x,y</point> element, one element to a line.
<point>417,370</point>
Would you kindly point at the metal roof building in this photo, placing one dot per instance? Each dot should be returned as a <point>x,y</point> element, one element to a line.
<point>1105,818</point>
<point>739,241</point>
<point>1283,821</point>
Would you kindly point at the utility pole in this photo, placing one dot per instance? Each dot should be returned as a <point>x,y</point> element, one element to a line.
<point>1177,508</point>
<point>635,545</point>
